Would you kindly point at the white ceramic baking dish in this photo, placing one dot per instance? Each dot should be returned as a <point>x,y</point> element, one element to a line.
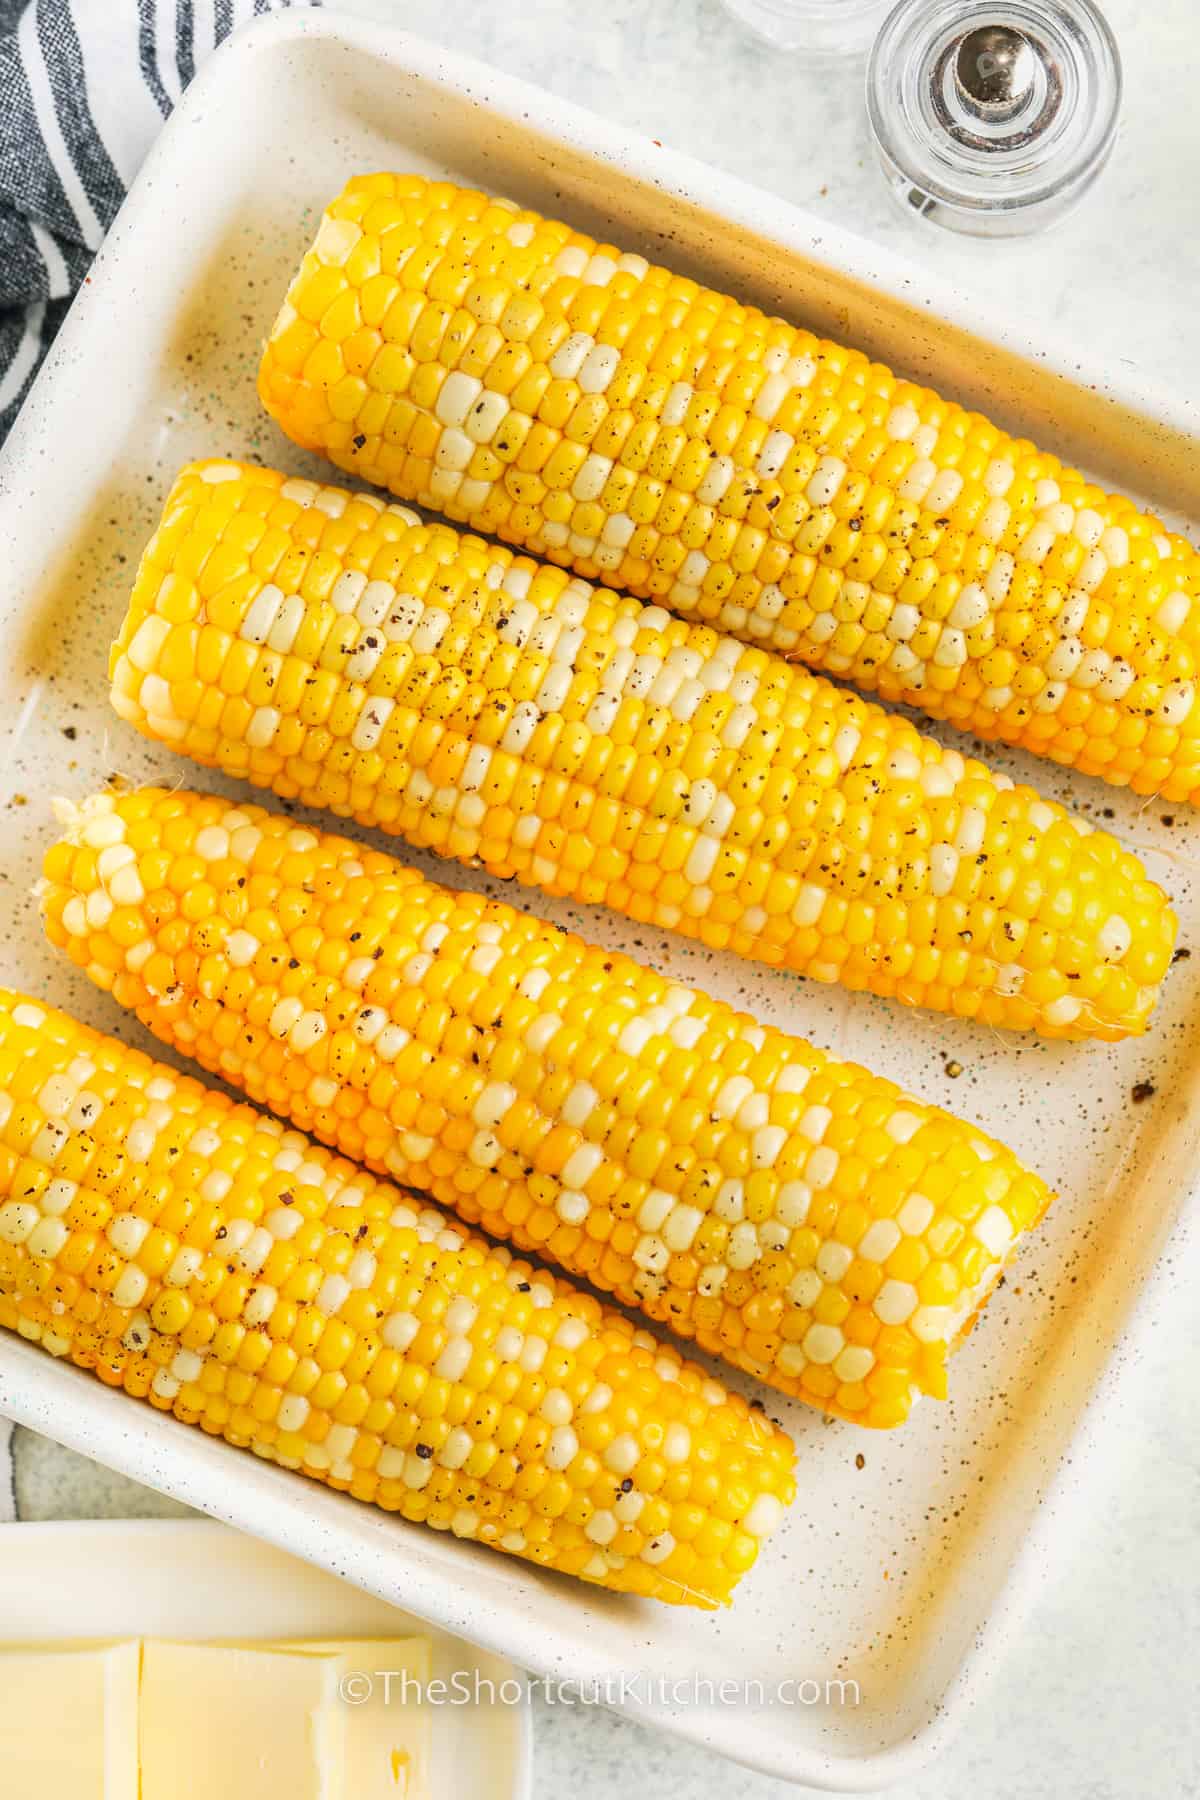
<point>905,1555</point>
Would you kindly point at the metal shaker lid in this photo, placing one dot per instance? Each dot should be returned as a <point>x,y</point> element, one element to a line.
<point>993,116</point>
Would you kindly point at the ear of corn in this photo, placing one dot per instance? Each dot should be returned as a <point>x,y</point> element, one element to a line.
<point>796,1214</point>
<point>231,1272</point>
<point>517,375</point>
<point>399,674</point>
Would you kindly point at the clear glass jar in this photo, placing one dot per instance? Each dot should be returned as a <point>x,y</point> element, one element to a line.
<point>993,117</point>
<point>817,28</point>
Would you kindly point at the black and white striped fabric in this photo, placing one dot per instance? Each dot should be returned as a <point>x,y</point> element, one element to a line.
<point>84,87</point>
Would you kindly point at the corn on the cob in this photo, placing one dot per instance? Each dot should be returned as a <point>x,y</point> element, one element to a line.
<point>626,422</point>
<point>230,1271</point>
<point>413,679</point>
<point>796,1214</point>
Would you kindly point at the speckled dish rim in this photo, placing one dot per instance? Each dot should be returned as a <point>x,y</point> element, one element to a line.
<point>895,310</point>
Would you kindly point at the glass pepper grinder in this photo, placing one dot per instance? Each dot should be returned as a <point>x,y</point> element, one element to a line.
<point>992,118</point>
<point>819,29</point>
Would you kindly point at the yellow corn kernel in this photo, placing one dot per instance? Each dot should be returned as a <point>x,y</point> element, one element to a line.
<point>384,1262</point>
<point>963,539</point>
<point>412,678</point>
<point>548,1093</point>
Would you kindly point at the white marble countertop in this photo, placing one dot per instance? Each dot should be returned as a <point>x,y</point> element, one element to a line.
<point>1096,1697</point>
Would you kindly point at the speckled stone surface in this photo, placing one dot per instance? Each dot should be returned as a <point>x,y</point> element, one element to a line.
<point>1095,1699</point>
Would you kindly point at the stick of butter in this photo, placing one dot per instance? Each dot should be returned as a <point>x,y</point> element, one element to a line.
<point>386,1725</point>
<point>68,1723</point>
<point>239,1723</point>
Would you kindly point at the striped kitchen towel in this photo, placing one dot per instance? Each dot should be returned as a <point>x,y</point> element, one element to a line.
<point>84,86</point>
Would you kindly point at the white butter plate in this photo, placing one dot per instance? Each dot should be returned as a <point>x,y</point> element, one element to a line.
<point>192,1581</point>
<point>899,1574</point>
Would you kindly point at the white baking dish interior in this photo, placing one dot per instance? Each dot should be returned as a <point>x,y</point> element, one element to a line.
<point>904,1553</point>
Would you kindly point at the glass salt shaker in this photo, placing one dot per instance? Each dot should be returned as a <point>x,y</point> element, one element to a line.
<point>817,28</point>
<point>993,117</point>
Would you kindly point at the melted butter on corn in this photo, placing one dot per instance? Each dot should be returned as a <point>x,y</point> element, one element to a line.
<point>512,373</point>
<point>795,1214</point>
<point>342,652</point>
<point>232,1272</point>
